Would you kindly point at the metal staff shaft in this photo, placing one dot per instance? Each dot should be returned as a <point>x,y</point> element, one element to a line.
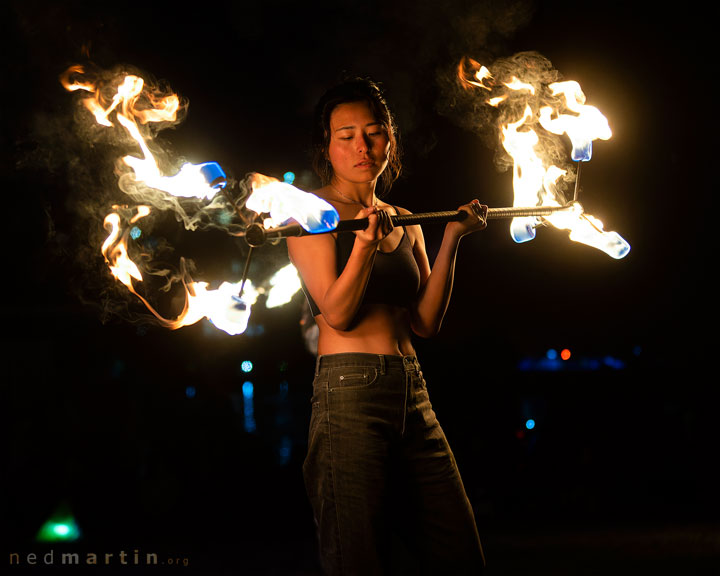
<point>256,235</point>
<point>577,181</point>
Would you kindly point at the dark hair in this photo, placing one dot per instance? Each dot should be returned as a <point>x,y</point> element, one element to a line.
<point>354,90</point>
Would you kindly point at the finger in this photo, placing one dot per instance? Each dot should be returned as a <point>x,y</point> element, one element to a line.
<point>385,221</point>
<point>480,212</point>
<point>479,208</point>
<point>373,221</point>
<point>365,212</point>
<point>483,210</point>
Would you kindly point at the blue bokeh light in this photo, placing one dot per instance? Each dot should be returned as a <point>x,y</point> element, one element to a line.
<point>248,391</point>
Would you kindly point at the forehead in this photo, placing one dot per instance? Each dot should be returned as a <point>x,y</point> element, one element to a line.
<point>351,115</point>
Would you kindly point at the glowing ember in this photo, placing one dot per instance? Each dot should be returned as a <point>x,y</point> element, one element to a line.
<point>531,111</point>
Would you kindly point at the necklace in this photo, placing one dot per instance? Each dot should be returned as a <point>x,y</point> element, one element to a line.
<point>375,200</point>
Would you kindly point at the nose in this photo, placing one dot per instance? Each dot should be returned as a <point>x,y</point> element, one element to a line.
<point>363,143</point>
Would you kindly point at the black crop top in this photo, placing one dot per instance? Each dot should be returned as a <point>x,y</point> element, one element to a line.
<point>394,279</point>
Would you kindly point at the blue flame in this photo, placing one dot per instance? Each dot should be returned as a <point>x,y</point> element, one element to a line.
<point>582,151</point>
<point>214,175</point>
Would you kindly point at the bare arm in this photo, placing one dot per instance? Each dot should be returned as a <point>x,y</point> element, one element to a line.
<point>337,297</point>
<point>436,283</point>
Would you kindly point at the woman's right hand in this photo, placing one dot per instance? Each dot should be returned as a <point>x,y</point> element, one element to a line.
<point>379,225</point>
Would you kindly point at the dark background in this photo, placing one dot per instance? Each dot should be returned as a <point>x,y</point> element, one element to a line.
<point>618,474</point>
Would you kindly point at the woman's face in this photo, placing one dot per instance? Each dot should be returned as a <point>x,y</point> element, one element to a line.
<point>359,143</point>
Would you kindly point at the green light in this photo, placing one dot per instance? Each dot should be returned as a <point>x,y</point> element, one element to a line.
<point>53,531</point>
<point>61,526</point>
<point>61,529</point>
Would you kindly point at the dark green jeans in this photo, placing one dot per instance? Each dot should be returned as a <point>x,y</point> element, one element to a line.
<point>380,474</point>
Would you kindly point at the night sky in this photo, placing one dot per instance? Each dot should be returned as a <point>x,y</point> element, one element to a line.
<point>142,432</point>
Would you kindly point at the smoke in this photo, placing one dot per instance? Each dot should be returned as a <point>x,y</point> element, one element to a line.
<point>465,100</point>
<point>79,164</point>
<point>193,213</point>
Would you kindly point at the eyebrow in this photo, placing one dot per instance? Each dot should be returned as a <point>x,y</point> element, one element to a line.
<point>352,127</point>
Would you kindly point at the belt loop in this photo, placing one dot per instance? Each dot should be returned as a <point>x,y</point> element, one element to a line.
<point>411,364</point>
<point>381,358</point>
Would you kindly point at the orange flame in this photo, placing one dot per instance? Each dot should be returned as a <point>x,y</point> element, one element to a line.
<point>132,105</point>
<point>558,108</point>
<point>583,125</point>
<point>220,306</point>
<point>469,68</point>
<point>135,103</point>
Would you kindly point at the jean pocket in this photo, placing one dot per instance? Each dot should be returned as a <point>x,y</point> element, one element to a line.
<point>354,378</point>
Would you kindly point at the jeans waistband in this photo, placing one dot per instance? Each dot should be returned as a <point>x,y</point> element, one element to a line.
<point>383,362</point>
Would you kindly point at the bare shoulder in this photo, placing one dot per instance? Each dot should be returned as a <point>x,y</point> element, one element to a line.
<point>414,230</point>
<point>323,193</point>
<point>398,209</point>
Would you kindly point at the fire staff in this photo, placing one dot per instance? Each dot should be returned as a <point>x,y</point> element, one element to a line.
<point>377,458</point>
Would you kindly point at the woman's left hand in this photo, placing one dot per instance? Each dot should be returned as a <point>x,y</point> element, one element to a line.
<point>476,219</point>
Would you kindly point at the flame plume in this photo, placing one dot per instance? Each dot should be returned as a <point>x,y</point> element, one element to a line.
<point>139,109</point>
<point>533,109</point>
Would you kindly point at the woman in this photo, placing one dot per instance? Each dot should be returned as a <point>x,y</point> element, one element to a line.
<point>378,463</point>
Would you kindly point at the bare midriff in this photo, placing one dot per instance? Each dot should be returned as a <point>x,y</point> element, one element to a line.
<point>377,329</point>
